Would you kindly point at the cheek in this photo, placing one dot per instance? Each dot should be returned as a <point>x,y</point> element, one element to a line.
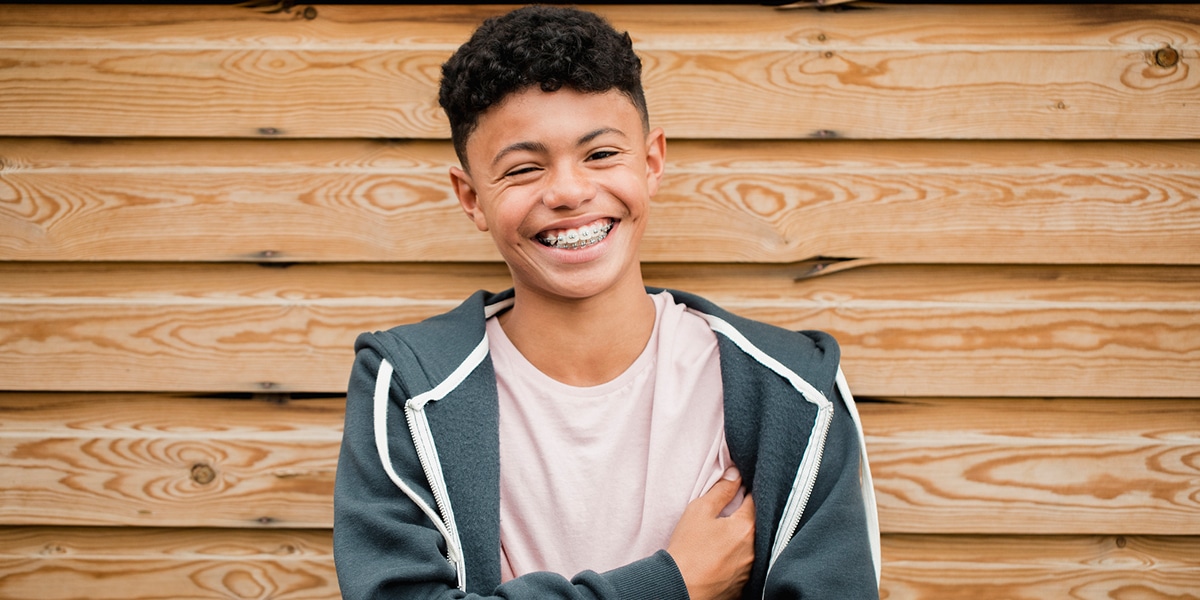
<point>636,195</point>
<point>508,220</point>
<point>627,184</point>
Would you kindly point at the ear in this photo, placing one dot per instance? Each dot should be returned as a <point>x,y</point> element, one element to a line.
<point>656,158</point>
<point>468,199</point>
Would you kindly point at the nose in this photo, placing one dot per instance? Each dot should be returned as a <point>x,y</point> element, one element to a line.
<point>568,187</point>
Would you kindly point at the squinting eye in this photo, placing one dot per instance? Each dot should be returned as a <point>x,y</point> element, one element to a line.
<point>523,171</point>
<point>602,154</point>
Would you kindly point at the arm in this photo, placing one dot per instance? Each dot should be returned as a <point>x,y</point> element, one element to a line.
<point>385,546</point>
<point>830,555</point>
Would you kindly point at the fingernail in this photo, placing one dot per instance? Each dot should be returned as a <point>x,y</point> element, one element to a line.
<point>732,474</point>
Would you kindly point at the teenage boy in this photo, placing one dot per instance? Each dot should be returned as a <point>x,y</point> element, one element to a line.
<point>581,436</point>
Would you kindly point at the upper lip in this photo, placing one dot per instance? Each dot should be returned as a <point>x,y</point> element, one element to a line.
<point>574,223</point>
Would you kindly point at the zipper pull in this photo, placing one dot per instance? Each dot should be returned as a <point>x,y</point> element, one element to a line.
<point>456,560</point>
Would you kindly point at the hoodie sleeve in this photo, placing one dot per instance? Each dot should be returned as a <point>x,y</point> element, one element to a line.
<point>830,556</point>
<point>385,545</point>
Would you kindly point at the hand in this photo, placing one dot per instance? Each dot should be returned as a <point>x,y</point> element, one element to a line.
<point>714,554</point>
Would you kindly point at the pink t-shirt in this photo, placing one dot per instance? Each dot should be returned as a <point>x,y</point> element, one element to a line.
<point>596,477</point>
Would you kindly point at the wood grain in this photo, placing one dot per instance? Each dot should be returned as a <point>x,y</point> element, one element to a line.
<point>931,567</point>
<point>993,208</point>
<point>1040,466</point>
<point>444,27</point>
<point>777,202</point>
<point>905,331</point>
<point>168,461</point>
<point>59,563</point>
<point>136,563</point>
<point>951,73</point>
<point>962,466</point>
<point>744,27</point>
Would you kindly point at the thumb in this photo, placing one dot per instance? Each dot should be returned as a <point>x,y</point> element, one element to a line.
<point>722,492</point>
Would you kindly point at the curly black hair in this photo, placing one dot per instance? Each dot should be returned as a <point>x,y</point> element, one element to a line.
<point>547,46</point>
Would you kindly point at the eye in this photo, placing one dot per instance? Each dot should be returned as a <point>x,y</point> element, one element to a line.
<point>601,154</point>
<point>520,171</point>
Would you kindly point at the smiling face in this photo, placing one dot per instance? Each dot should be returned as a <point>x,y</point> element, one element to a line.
<point>562,180</point>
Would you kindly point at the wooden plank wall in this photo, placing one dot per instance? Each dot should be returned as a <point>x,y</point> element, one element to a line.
<point>994,208</point>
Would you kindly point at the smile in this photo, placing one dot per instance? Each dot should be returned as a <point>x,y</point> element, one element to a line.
<point>574,239</point>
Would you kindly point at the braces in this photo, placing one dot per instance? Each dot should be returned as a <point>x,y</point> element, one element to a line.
<point>574,239</point>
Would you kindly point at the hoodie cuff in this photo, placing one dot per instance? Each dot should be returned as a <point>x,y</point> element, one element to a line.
<point>655,577</point>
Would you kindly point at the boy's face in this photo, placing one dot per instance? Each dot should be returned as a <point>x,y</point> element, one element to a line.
<point>562,181</point>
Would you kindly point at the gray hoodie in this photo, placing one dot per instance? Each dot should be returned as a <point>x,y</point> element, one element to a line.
<point>417,496</point>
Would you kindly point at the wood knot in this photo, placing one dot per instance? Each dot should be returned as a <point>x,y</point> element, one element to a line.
<point>310,12</point>
<point>203,474</point>
<point>1166,57</point>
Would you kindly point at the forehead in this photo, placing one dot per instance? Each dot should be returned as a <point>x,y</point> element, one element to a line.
<point>532,115</point>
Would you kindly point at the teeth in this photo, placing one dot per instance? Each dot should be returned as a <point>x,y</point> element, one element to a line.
<point>578,238</point>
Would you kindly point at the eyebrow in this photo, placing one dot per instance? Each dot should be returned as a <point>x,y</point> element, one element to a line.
<point>536,147</point>
<point>539,147</point>
<point>597,133</point>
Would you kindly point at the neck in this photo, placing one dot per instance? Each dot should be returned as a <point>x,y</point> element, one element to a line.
<point>581,342</point>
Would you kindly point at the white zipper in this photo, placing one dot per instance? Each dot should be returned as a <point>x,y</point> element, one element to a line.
<point>802,487</point>
<point>418,426</point>
<point>382,386</point>
<point>422,436</point>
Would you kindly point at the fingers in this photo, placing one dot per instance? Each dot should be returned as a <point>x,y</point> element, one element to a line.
<point>747,507</point>
<point>724,489</point>
<point>714,554</point>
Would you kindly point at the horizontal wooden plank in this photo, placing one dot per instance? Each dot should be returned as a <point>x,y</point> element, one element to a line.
<point>56,563</point>
<point>168,461</point>
<point>904,330</point>
<point>778,202</point>
<point>1067,72</point>
<point>652,26</point>
<point>1091,568</point>
<point>61,563</point>
<point>1051,466</point>
<point>941,465</point>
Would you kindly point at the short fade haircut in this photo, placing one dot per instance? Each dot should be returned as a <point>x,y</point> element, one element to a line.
<point>550,47</point>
